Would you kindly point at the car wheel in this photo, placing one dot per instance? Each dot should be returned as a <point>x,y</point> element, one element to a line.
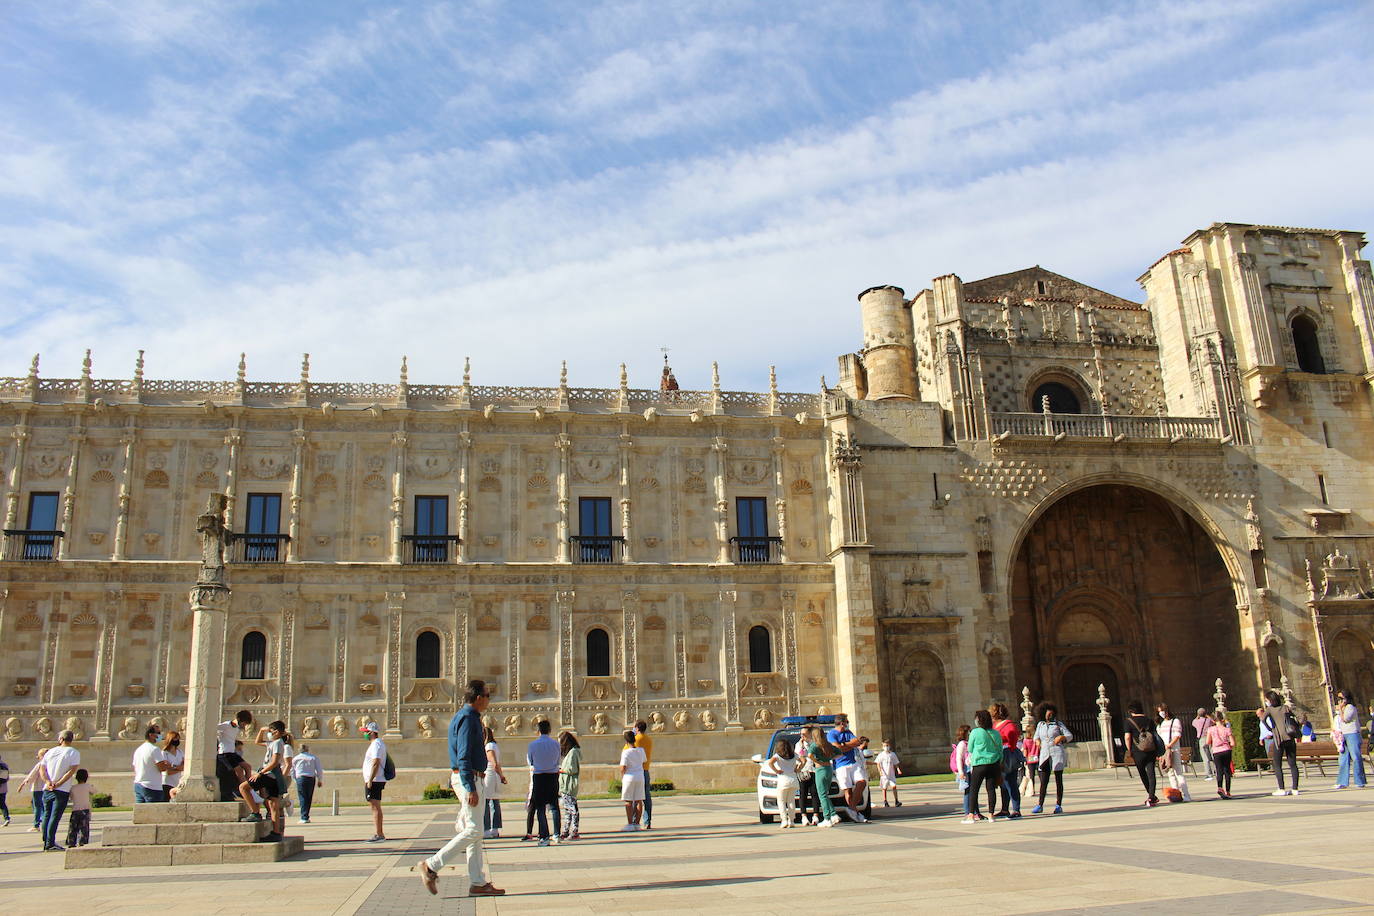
<point>765,818</point>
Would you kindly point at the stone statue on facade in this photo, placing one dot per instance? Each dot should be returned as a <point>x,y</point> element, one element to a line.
<point>214,538</point>
<point>130,731</point>
<point>14,729</point>
<point>426,726</point>
<point>680,719</point>
<point>708,721</point>
<point>43,727</point>
<point>75,726</point>
<point>656,721</point>
<point>339,727</point>
<point>310,727</point>
<point>601,723</point>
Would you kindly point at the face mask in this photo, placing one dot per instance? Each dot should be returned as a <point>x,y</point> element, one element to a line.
<point>176,744</point>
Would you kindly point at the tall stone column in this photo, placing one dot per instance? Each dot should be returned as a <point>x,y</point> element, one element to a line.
<point>205,694</point>
<point>855,627</point>
<point>104,666</point>
<point>629,647</point>
<point>464,482</point>
<point>293,524</point>
<point>790,670</point>
<point>395,607</point>
<point>233,442</point>
<point>1262,343</point>
<point>16,480</point>
<point>626,525</point>
<point>730,624</point>
<point>563,607</point>
<point>398,490</point>
<point>779,451</point>
<point>722,507</point>
<point>286,656</point>
<point>462,617</point>
<point>564,503</point>
<point>126,473</point>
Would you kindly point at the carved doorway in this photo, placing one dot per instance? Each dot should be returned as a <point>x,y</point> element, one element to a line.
<point>922,709</point>
<point>1120,576</point>
<point>1078,708</point>
<point>1352,666</point>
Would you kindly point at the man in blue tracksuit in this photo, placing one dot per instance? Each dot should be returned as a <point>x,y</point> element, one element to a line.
<point>468,758</point>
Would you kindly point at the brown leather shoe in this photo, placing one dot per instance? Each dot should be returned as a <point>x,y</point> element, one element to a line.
<point>428,878</point>
<point>485,890</point>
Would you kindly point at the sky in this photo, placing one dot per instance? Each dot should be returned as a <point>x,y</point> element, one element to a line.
<point>531,182</point>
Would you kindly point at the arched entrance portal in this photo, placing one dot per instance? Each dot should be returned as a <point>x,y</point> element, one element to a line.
<point>1117,584</point>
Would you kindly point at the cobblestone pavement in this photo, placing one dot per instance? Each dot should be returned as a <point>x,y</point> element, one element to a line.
<point>1253,855</point>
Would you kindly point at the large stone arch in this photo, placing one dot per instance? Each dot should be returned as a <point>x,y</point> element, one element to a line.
<point>1125,572</point>
<point>1351,655</point>
<point>921,711</point>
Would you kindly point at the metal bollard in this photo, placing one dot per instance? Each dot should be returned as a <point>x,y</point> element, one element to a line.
<point>334,808</point>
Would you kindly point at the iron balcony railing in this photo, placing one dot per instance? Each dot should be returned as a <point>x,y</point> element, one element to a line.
<point>597,548</point>
<point>428,548</point>
<point>258,548</point>
<point>31,545</point>
<point>757,550</point>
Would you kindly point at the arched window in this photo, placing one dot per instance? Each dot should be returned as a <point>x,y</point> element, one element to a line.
<point>427,654</point>
<point>1305,344</point>
<point>1062,398</point>
<point>760,650</point>
<point>598,653</point>
<point>253,663</point>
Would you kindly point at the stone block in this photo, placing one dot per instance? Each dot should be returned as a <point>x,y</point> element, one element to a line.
<point>232,833</point>
<point>159,813</point>
<point>129,835</point>
<point>235,853</point>
<point>92,857</point>
<point>178,834</point>
<point>209,854</point>
<point>137,856</point>
<point>215,812</point>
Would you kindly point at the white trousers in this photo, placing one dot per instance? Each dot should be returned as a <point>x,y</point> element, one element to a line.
<point>467,836</point>
<point>787,799</point>
<point>1174,760</point>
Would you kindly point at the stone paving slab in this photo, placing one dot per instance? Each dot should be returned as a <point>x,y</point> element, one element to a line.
<point>1257,855</point>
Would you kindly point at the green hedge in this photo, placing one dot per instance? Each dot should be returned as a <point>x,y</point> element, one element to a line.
<point>434,790</point>
<point>1245,728</point>
<point>101,800</point>
<point>658,785</point>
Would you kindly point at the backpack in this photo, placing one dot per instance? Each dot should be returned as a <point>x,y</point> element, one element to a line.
<point>1144,738</point>
<point>388,769</point>
<point>954,759</point>
<point>1290,729</point>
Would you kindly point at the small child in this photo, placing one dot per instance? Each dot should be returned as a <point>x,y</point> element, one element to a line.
<point>79,824</point>
<point>959,763</point>
<point>889,768</point>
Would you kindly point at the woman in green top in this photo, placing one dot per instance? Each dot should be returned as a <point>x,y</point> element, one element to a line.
<point>822,753</point>
<point>985,761</point>
<point>569,772</point>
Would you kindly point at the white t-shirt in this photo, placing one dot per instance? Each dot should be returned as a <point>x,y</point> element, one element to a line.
<point>305,764</point>
<point>174,758</point>
<point>287,754</point>
<point>788,766</point>
<point>1350,719</point>
<point>60,759</point>
<point>887,762</point>
<point>492,782</point>
<point>375,751</point>
<point>146,759</point>
<point>632,759</point>
<point>1169,729</point>
<point>274,746</point>
<point>228,734</point>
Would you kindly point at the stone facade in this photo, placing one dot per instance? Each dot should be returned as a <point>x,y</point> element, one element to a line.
<point>1019,482</point>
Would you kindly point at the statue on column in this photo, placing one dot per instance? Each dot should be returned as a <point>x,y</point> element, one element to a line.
<point>214,539</point>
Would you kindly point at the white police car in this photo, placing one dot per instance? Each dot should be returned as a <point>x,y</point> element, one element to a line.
<point>767,784</point>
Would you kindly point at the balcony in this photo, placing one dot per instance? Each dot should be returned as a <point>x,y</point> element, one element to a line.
<point>428,549</point>
<point>597,548</point>
<point>756,550</point>
<point>258,548</point>
<point>1103,426</point>
<point>31,546</point>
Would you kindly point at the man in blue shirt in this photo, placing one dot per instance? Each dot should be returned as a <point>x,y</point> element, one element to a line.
<point>468,758</point>
<point>543,757</point>
<point>850,774</point>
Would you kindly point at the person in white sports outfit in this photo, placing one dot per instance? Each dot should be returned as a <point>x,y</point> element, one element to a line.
<point>784,764</point>
<point>1171,733</point>
<point>468,759</point>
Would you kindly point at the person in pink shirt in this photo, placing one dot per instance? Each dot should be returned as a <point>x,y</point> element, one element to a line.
<point>1221,742</point>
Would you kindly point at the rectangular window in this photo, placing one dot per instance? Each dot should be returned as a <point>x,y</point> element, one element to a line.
<point>431,530</point>
<point>595,516</point>
<point>264,521</point>
<point>42,518</point>
<point>751,515</point>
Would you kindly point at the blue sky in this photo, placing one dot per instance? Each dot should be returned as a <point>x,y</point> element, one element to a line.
<point>537,181</point>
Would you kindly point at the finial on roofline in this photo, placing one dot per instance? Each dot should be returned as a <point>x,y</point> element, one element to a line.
<point>243,368</point>
<point>305,368</point>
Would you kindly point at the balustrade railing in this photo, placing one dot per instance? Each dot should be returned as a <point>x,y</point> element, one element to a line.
<point>1107,426</point>
<point>29,545</point>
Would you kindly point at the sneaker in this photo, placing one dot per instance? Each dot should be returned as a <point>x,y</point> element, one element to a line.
<point>1038,809</point>
<point>969,820</point>
<point>1339,786</point>
<point>1293,792</point>
<point>627,828</point>
<point>486,834</point>
<point>273,837</point>
<point>886,805</point>
<point>543,841</point>
<point>55,848</point>
<point>896,804</point>
<point>574,836</point>
<point>553,841</point>
<point>828,822</point>
<point>1278,793</point>
<point>859,818</point>
<point>496,834</point>
<point>834,819</point>
<point>250,818</point>
<point>1014,815</point>
<point>1058,809</point>
<point>305,820</point>
<point>377,838</point>
<point>814,822</point>
<point>527,837</point>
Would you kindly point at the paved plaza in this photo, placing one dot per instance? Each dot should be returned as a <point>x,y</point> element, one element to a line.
<point>1254,855</point>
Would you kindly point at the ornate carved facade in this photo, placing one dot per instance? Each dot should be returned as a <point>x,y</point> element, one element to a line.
<point>1019,481</point>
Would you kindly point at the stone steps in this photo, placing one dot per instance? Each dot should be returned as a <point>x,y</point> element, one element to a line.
<point>175,833</point>
<point>207,854</point>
